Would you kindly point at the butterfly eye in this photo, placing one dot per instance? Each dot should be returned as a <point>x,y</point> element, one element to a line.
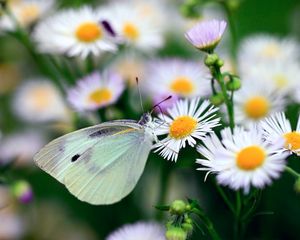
<point>75,157</point>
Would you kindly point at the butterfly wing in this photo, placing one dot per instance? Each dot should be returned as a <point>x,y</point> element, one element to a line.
<point>106,151</point>
<point>109,171</point>
<point>56,157</point>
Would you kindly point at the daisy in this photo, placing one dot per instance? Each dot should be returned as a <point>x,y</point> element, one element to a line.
<point>255,101</point>
<point>185,122</point>
<point>206,34</point>
<point>140,230</point>
<point>76,32</point>
<point>26,12</point>
<point>278,127</point>
<point>176,77</point>
<point>96,91</point>
<point>242,159</point>
<point>142,31</point>
<point>39,100</point>
<point>284,76</point>
<point>259,49</point>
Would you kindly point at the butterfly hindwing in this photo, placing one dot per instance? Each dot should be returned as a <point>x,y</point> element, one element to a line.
<point>109,170</point>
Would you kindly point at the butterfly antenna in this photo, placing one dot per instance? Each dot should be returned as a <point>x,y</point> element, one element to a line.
<point>157,105</point>
<point>139,91</point>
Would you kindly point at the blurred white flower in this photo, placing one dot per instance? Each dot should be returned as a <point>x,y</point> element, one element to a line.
<point>242,159</point>
<point>26,12</point>
<point>21,147</point>
<point>185,122</point>
<point>96,91</point>
<point>176,77</point>
<point>74,32</point>
<point>260,49</point>
<point>39,100</point>
<point>133,26</point>
<point>255,101</point>
<point>12,225</point>
<point>140,231</point>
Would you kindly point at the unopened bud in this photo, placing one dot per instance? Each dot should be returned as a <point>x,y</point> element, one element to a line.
<point>22,191</point>
<point>176,233</point>
<point>234,84</point>
<point>217,99</point>
<point>220,63</point>
<point>211,59</point>
<point>178,207</point>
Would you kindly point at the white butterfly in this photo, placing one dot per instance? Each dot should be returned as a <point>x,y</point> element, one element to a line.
<point>103,163</point>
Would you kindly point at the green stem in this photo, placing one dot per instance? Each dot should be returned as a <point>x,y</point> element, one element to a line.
<point>292,172</point>
<point>208,224</point>
<point>228,102</point>
<point>225,198</point>
<point>164,183</point>
<point>237,225</point>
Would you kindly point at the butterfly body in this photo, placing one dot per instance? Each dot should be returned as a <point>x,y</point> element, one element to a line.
<point>103,163</point>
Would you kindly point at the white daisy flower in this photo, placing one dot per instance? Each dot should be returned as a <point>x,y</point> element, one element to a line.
<point>140,230</point>
<point>26,12</point>
<point>242,159</point>
<point>259,49</point>
<point>278,127</point>
<point>255,101</point>
<point>284,76</point>
<point>139,30</point>
<point>176,77</point>
<point>185,122</point>
<point>74,33</point>
<point>96,91</point>
<point>29,143</point>
<point>39,100</point>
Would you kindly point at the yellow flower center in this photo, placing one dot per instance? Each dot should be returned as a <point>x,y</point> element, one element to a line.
<point>280,80</point>
<point>257,107</point>
<point>250,158</point>
<point>131,31</point>
<point>29,13</point>
<point>100,96</point>
<point>271,50</point>
<point>41,98</point>
<point>292,140</point>
<point>182,127</point>
<point>88,32</point>
<point>182,85</point>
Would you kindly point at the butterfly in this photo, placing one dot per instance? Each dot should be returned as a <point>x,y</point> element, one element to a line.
<point>103,163</point>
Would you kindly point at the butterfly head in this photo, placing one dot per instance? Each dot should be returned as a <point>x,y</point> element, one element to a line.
<point>145,119</point>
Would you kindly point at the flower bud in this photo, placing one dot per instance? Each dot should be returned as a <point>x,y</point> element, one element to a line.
<point>234,84</point>
<point>22,191</point>
<point>211,59</point>
<point>188,227</point>
<point>178,207</point>
<point>220,63</point>
<point>217,99</point>
<point>176,233</point>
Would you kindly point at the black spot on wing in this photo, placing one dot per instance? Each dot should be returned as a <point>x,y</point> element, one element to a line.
<point>108,28</point>
<point>75,157</point>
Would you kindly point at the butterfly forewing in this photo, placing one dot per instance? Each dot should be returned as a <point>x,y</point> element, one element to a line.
<point>110,170</point>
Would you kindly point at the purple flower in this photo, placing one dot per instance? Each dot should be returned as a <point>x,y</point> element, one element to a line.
<point>207,34</point>
<point>23,191</point>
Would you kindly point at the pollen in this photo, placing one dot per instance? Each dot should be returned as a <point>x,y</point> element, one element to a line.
<point>88,32</point>
<point>182,85</point>
<point>292,141</point>
<point>271,50</point>
<point>182,127</point>
<point>257,107</point>
<point>100,96</point>
<point>250,158</point>
<point>131,31</point>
